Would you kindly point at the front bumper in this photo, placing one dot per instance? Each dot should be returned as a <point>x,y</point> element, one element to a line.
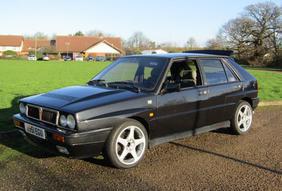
<point>78,145</point>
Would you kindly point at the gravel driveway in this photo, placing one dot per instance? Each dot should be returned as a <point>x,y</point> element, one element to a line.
<point>211,161</point>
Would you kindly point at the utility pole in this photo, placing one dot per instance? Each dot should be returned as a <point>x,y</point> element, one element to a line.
<point>67,44</point>
<point>35,45</point>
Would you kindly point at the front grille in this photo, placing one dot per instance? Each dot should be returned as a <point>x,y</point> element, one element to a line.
<point>43,114</point>
<point>49,116</point>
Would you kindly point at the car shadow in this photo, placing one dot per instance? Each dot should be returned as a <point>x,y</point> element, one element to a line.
<point>13,139</point>
<point>226,131</point>
<point>244,162</point>
<point>99,160</point>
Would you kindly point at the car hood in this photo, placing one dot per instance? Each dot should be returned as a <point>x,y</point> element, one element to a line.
<point>77,98</point>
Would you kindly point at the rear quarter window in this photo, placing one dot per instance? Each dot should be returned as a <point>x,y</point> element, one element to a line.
<point>213,71</point>
<point>230,76</point>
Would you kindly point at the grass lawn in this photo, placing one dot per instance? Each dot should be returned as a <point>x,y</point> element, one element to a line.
<point>24,78</point>
<point>270,84</point>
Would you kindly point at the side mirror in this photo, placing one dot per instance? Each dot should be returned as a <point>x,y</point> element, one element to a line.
<point>170,87</point>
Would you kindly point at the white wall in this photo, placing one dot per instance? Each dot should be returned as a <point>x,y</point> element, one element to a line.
<point>102,48</point>
<point>13,48</point>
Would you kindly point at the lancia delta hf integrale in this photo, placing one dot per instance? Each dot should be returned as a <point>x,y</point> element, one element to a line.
<point>139,102</point>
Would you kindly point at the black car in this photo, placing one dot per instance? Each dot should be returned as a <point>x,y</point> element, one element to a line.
<point>67,58</point>
<point>139,102</point>
<point>90,58</point>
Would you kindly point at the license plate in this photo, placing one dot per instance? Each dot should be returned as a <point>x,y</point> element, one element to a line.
<point>36,131</point>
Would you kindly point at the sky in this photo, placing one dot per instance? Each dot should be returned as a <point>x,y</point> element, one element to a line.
<point>160,20</point>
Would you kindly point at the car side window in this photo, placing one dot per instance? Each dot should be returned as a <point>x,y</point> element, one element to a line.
<point>213,71</point>
<point>230,76</point>
<point>185,73</point>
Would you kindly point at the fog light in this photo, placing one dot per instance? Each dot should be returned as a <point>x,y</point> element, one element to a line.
<point>19,124</point>
<point>62,150</point>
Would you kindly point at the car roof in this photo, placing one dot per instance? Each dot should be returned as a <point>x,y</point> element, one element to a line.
<point>179,55</point>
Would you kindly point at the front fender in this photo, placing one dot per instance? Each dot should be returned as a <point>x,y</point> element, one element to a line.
<point>113,119</point>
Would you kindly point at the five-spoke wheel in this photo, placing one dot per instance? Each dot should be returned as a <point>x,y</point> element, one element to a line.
<point>243,117</point>
<point>127,144</point>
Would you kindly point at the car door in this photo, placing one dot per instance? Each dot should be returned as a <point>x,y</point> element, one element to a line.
<point>215,83</point>
<point>177,111</point>
<point>234,90</point>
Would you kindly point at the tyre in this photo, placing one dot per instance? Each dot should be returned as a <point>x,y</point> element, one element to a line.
<point>242,119</point>
<point>127,144</point>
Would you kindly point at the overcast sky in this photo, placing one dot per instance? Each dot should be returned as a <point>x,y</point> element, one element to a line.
<point>160,20</point>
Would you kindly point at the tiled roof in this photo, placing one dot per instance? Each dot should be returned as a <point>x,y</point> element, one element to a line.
<point>82,43</point>
<point>10,40</point>
<point>30,44</point>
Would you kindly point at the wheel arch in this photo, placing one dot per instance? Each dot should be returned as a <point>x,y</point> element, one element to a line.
<point>249,100</point>
<point>143,122</point>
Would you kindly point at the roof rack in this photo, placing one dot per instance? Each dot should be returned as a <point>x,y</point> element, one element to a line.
<point>215,52</point>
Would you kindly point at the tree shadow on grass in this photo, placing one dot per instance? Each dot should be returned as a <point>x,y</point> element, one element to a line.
<point>6,122</point>
<point>11,138</point>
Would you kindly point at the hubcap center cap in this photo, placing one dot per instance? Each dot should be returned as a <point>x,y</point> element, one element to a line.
<point>130,144</point>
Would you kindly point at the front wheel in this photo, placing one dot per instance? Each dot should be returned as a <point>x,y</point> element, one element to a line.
<point>242,119</point>
<point>127,144</point>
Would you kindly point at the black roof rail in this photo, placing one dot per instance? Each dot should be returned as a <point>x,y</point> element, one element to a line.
<point>214,52</point>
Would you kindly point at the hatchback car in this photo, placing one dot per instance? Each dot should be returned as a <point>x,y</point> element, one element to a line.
<point>78,58</point>
<point>46,58</point>
<point>139,102</point>
<point>31,57</point>
<point>100,58</point>
<point>67,58</point>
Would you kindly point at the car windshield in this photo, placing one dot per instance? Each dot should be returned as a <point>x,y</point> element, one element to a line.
<point>137,73</point>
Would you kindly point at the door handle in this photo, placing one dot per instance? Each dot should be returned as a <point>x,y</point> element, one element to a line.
<point>204,92</point>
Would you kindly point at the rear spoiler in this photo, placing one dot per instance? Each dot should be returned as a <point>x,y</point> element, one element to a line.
<point>214,52</point>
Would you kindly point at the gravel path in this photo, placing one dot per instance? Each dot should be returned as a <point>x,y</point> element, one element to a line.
<point>211,161</point>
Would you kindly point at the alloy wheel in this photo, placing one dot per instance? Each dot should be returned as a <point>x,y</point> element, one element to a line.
<point>244,118</point>
<point>130,145</point>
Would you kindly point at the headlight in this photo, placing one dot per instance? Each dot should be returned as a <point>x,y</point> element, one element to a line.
<point>22,108</point>
<point>63,121</point>
<point>71,121</point>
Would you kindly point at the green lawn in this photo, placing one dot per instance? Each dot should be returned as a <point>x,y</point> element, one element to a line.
<point>23,78</point>
<point>270,84</point>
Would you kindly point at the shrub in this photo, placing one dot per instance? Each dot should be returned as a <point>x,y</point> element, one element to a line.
<point>9,53</point>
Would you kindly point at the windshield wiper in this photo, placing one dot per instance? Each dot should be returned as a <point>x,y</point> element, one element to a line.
<point>125,84</point>
<point>98,82</point>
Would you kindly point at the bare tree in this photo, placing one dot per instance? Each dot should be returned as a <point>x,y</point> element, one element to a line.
<point>255,34</point>
<point>37,35</point>
<point>97,33</point>
<point>138,42</point>
<point>191,43</point>
<point>217,43</point>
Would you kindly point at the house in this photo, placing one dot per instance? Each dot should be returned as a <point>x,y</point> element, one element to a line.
<point>40,44</point>
<point>12,43</point>
<point>110,47</point>
<point>157,51</point>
